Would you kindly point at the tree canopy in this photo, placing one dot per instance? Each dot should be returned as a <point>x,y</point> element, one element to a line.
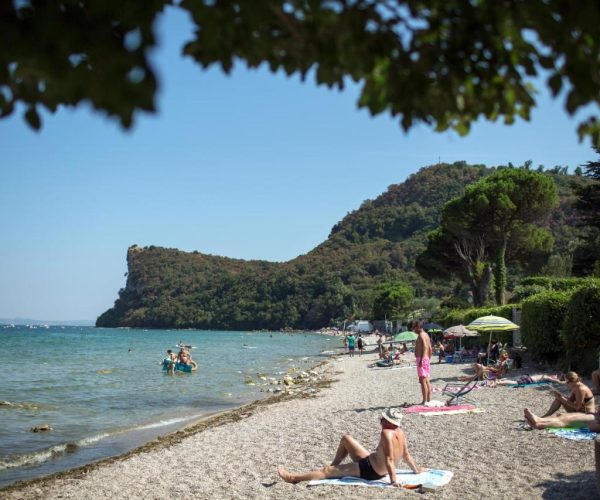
<point>587,255</point>
<point>393,301</point>
<point>445,63</point>
<point>496,215</point>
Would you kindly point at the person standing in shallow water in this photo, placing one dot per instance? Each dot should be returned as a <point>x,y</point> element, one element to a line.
<point>423,358</point>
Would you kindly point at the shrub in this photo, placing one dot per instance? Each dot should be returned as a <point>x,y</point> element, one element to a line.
<point>465,316</point>
<point>542,318</point>
<point>522,292</point>
<point>551,283</point>
<point>581,331</point>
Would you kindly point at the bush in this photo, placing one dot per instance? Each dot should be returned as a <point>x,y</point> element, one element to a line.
<point>558,284</point>
<point>581,331</point>
<point>542,318</point>
<point>522,292</point>
<point>465,316</point>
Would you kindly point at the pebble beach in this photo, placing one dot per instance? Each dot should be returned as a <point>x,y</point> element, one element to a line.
<point>236,454</point>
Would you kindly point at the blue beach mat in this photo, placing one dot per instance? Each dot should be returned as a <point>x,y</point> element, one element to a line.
<point>574,433</point>
<point>433,478</point>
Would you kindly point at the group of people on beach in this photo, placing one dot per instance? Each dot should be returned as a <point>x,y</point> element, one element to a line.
<point>579,406</point>
<point>579,410</point>
<point>351,343</point>
<point>182,359</point>
<point>388,356</point>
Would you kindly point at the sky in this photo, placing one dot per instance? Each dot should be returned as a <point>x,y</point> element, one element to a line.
<point>249,165</point>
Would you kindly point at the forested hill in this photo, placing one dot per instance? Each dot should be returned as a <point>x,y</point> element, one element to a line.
<point>375,244</point>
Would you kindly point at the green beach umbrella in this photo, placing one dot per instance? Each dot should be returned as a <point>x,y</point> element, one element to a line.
<point>492,324</point>
<point>407,336</point>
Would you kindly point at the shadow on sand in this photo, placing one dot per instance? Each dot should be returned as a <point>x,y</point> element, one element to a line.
<point>577,486</point>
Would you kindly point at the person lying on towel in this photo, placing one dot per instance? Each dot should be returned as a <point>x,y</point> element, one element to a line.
<point>561,420</point>
<point>370,466</point>
<point>533,379</point>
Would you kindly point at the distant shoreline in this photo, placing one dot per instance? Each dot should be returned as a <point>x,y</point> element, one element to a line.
<point>39,322</point>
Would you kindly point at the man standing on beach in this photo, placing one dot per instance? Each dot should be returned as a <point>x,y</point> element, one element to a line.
<point>370,466</point>
<point>423,357</point>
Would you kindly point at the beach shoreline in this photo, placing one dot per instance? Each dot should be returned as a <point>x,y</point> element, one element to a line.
<point>234,454</point>
<point>197,425</point>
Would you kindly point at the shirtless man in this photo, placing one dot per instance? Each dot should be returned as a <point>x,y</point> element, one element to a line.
<point>423,358</point>
<point>371,466</point>
<point>183,355</point>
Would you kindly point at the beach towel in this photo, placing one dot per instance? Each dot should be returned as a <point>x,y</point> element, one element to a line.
<point>574,433</point>
<point>429,409</point>
<point>394,367</point>
<point>531,384</point>
<point>451,411</point>
<point>432,478</point>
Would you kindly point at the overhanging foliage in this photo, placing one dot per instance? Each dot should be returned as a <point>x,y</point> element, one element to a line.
<point>445,63</point>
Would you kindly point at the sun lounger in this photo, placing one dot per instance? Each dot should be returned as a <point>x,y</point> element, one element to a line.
<point>459,393</point>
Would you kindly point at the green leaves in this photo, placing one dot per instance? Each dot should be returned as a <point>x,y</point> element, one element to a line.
<point>493,221</point>
<point>65,52</point>
<point>32,117</point>
<point>393,301</point>
<point>444,63</point>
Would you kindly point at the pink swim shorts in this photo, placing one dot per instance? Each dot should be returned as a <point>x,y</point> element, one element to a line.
<point>424,369</point>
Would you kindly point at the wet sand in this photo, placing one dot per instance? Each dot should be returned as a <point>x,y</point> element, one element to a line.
<point>235,454</point>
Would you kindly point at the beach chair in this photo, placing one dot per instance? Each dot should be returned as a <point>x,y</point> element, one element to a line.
<point>458,392</point>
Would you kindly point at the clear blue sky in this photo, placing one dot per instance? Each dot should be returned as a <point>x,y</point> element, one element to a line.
<point>251,165</point>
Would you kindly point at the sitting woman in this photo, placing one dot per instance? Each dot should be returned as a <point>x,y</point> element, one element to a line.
<point>490,372</point>
<point>562,420</point>
<point>387,360</point>
<point>580,399</point>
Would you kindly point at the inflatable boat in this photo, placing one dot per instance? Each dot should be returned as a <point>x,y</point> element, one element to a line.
<point>180,367</point>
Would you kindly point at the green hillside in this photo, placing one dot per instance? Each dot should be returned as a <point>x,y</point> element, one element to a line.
<point>375,244</point>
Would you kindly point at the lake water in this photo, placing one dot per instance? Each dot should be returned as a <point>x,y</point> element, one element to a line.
<point>103,392</point>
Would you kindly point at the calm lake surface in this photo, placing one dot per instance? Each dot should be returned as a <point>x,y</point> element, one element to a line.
<point>103,392</point>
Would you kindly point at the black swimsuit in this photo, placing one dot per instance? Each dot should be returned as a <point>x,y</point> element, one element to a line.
<point>366,470</point>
